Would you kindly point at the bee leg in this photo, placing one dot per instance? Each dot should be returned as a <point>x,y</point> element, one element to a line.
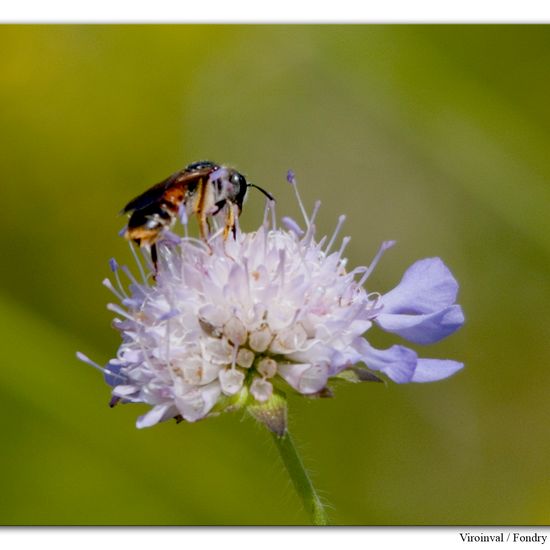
<point>155,259</point>
<point>229,223</point>
<point>203,228</point>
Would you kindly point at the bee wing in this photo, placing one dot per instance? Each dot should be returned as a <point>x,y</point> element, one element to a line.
<point>154,194</point>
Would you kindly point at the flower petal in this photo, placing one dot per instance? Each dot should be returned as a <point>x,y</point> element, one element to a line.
<point>304,378</point>
<point>423,329</point>
<point>231,380</point>
<point>155,415</point>
<point>196,403</point>
<point>313,379</point>
<point>427,286</point>
<point>196,370</point>
<point>113,376</point>
<point>261,389</point>
<point>431,370</point>
<point>397,362</point>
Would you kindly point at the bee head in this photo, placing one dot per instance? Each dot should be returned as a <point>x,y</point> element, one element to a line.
<point>239,186</point>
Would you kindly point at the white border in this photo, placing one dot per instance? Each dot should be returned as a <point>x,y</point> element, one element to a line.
<point>361,538</point>
<point>276,11</point>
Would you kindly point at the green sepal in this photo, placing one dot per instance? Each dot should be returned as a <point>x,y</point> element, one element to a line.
<point>272,413</point>
<point>230,403</point>
<point>326,392</point>
<point>358,374</point>
<point>365,375</point>
<point>348,375</point>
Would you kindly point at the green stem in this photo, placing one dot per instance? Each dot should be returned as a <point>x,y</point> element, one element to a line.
<point>300,479</point>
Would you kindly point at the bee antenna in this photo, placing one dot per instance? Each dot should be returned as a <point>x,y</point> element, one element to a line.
<point>268,195</point>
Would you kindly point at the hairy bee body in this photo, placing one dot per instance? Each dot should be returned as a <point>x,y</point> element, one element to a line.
<point>203,188</point>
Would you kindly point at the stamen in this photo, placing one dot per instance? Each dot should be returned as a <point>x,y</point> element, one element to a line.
<point>341,221</point>
<point>130,276</point>
<point>305,263</point>
<point>107,284</point>
<point>85,359</point>
<point>215,235</point>
<point>133,303</point>
<point>273,215</point>
<point>292,226</point>
<point>169,237</point>
<point>115,269</point>
<point>138,262</point>
<point>316,207</point>
<point>200,244</point>
<point>321,243</point>
<point>356,271</point>
<point>292,180</point>
<point>310,233</point>
<point>182,214</point>
<point>383,247</point>
<point>266,213</point>
<point>117,309</point>
<point>345,242</point>
<point>184,218</point>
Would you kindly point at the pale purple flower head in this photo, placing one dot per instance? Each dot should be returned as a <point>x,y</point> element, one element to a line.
<point>239,322</point>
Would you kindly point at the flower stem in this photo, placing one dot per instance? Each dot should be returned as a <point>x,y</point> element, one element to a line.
<point>300,479</point>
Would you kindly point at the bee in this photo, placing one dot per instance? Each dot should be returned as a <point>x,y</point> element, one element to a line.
<point>203,188</point>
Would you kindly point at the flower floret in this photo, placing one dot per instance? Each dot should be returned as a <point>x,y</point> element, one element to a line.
<point>239,321</point>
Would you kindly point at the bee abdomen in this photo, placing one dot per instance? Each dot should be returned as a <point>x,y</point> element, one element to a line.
<point>145,225</point>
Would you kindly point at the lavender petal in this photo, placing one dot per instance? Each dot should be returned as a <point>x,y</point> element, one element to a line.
<point>431,370</point>
<point>423,329</point>
<point>427,286</point>
<point>398,362</point>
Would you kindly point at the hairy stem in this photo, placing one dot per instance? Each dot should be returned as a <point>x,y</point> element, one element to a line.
<point>300,478</point>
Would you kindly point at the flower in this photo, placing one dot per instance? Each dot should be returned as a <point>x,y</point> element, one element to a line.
<point>239,322</point>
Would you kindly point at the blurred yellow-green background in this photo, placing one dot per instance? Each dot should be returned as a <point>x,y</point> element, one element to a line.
<point>436,136</point>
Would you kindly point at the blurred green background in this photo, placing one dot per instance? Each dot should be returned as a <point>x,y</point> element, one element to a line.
<point>436,136</point>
